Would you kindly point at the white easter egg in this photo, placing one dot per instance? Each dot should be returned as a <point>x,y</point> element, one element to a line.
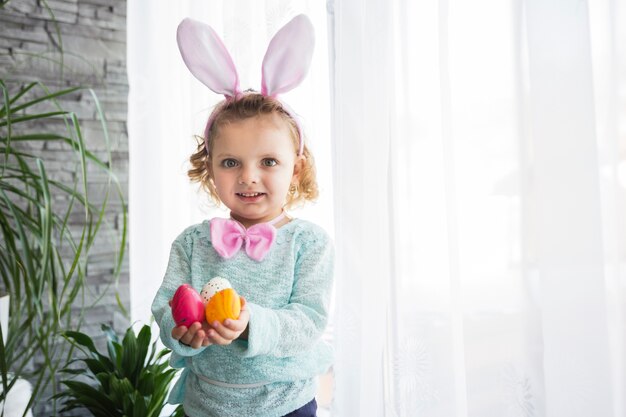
<point>216,284</point>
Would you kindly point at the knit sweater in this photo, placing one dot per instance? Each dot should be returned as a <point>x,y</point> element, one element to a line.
<point>288,293</point>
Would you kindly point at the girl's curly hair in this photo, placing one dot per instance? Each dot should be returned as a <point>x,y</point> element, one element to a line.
<point>251,105</point>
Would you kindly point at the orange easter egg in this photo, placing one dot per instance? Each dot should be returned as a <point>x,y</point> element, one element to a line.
<point>224,304</point>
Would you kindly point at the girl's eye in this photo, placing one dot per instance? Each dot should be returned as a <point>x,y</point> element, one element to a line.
<point>269,162</point>
<point>229,163</point>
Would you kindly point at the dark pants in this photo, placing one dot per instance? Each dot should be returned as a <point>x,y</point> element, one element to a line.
<point>307,410</point>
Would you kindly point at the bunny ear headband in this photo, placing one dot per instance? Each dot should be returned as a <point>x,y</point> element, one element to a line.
<point>285,64</point>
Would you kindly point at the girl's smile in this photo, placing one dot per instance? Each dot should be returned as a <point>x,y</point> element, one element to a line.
<point>250,197</point>
<point>253,165</point>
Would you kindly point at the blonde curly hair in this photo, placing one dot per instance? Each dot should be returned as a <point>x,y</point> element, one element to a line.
<point>251,104</point>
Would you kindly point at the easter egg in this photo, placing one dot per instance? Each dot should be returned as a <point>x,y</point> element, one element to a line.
<point>187,306</point>
<point>224,304</point>
<point>214,285</point>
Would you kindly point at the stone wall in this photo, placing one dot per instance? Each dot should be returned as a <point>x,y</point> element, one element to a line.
<point>65,43</point>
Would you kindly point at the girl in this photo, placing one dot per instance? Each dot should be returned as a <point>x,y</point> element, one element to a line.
<point>253,160</point>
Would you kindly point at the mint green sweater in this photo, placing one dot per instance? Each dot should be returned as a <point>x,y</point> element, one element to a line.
<point>288,295</point>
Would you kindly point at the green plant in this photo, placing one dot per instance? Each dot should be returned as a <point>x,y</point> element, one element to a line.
<point>47,229</point>
<point>133,380</point>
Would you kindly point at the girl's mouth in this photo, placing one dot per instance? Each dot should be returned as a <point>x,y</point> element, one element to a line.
<point>250,197</point>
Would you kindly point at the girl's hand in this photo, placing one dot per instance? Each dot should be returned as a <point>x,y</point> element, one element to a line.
<point>195,336</point>
<point>224,334</point>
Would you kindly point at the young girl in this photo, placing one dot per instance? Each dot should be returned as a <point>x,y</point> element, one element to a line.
<point>253,160</point>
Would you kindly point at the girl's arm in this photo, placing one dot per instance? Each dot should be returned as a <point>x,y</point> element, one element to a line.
<point>178,272</point>
<point>296,327</point>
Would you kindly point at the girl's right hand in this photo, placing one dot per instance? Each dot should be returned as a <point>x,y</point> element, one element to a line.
<point>195,336</point>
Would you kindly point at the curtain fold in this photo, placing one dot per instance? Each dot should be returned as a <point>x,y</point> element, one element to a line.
<point>359,89</point>
<point>478,208</point>
<point>567,207</point>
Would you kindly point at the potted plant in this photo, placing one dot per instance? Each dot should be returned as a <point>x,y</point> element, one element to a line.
<point>47,227</point>
<point>131,379</point>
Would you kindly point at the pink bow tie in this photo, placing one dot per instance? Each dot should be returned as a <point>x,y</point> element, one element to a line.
<point>227,237</point>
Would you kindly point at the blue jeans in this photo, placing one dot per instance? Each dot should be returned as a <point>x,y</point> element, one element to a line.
<point>307,410</point>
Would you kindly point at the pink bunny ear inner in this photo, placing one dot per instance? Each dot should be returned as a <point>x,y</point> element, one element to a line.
<point>207,58</point>
<point>288,57</point>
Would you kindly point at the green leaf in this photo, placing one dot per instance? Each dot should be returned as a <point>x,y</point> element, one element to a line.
<point>178,412</point>
<point>122,387</point>
<point>3,363</point>
<point>89,397</point>
<point>118,352</point>
<point>97,366</point>
<point>31,117</point>
<point>111,335</point>
<point>81,339</point>
<point>140,408</point>
<point>143,343</point>
<point>129,361</point>
<point>44,98</point>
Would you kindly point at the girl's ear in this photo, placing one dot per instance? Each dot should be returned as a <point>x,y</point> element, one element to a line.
<point>298,167</point>
<point>209,168</point>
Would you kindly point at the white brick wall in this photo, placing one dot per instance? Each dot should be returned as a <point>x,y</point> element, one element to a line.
<point>93,37</point>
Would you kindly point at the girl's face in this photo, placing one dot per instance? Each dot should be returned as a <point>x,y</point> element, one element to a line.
<point>253,165</point>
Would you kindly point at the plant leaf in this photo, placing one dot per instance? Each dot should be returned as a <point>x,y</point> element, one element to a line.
<point>82,339</point>
<point>129,360</point>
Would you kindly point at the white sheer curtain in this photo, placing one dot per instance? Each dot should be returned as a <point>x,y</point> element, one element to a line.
<point>167,107</point>
<point>478,207</point>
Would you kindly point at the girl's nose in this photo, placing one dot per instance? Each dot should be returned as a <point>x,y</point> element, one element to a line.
<point>248,175</point>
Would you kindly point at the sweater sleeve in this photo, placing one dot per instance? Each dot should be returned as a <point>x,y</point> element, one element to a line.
<point>296,327</point>
<point>178,272</point>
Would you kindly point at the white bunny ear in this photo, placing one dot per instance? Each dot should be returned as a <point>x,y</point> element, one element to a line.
<point>207,58</point>
<point>288,56</point>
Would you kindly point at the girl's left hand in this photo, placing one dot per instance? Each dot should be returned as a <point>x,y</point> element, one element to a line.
<point>225,333</point>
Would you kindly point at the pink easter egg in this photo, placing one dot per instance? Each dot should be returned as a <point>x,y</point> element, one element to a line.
<point>187,306</point>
